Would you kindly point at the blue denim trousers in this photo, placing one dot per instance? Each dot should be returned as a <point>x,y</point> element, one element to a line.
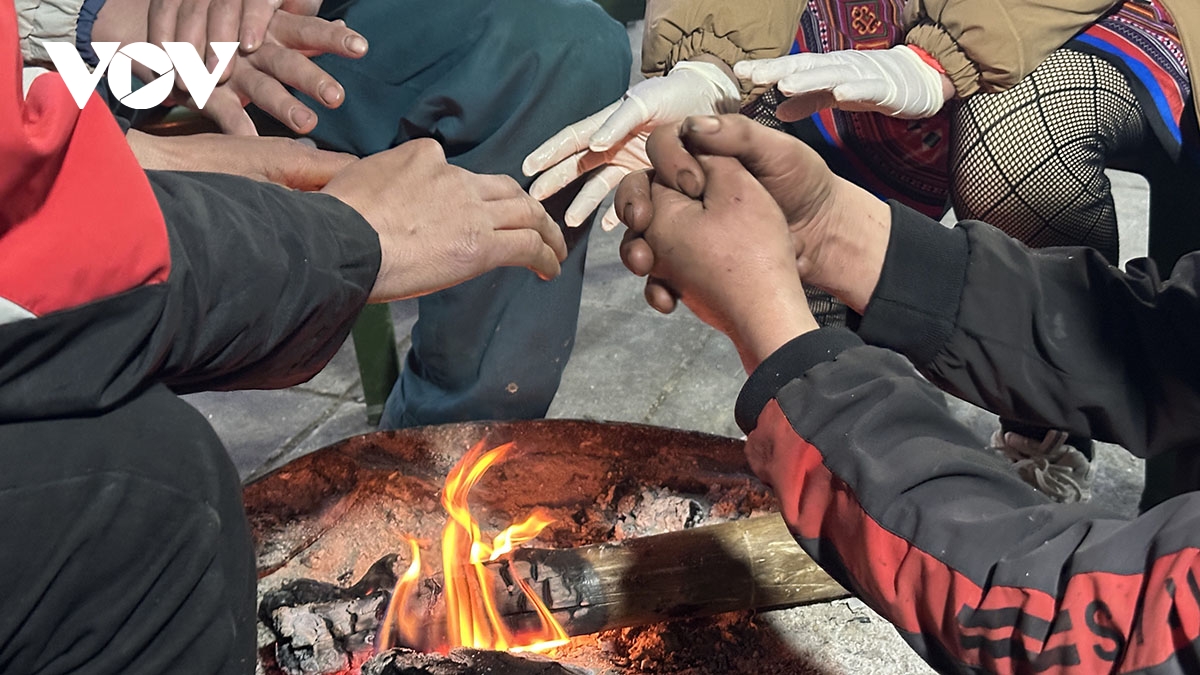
<point>490,80</point>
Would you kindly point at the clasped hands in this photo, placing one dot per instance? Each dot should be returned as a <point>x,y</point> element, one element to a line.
<point>734,218</point>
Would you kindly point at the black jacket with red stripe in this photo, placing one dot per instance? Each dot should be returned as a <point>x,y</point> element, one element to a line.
<point>978,571</point>
<point>113,280</point>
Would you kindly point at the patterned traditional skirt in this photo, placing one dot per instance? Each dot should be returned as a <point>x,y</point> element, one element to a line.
<point>908,160</point>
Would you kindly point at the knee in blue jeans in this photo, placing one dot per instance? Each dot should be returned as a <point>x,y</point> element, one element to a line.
<point>576,37</point>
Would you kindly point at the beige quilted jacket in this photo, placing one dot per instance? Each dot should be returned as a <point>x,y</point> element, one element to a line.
<point>984,45</point>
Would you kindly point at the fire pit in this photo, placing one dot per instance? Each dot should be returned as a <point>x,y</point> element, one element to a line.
<point>336,528</point>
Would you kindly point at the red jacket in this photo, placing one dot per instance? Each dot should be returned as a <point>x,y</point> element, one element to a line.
<point>112,279</point>
<point>978,571</point>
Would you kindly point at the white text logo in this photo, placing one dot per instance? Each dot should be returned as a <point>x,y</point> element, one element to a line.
<point>178,56</point>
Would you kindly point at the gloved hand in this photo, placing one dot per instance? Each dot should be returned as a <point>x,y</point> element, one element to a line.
<point>615,137</point>
<point>894,82</point>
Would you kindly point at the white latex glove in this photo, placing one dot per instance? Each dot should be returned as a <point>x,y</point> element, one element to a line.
<point>615,137</point>
<point>892,81</point>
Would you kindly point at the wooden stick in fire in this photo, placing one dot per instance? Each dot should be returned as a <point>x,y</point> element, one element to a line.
<point>743,564</point>
<point>738,565</point>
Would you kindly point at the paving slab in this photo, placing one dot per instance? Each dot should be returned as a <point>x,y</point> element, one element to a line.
<point>339,377</point>
<point>255,424</point>
<point>701,393</point>
<point>622,359</point>
<point>343,420</point>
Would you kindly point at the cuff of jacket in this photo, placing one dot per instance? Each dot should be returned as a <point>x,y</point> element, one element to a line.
<point>915,304</point>
<point>689,47</point>
<point>941,45</point>
<point>41,21</point>
<point>787,363</point>
<point>730,31</point>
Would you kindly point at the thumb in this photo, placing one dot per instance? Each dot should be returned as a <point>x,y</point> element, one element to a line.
<point>765,152</point>
<point>311,170</point>
<point>632,113</point>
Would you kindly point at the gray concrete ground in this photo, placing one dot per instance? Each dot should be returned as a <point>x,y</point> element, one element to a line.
<point>632,364</point>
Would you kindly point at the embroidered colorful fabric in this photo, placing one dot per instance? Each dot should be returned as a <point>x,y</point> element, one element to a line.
<point>908,160</point>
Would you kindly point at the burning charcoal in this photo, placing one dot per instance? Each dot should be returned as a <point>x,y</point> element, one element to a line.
<point>320,638</point>
<point>321,628</point>
<point>381,577</point>
<point>465,662</point>
<point>305,643</point>
<point>654,511</point>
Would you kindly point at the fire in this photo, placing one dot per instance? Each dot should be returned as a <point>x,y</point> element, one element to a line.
<point>398,614</point>
<point>472,619</point>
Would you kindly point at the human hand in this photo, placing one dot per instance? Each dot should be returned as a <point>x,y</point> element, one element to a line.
<point>440,225</point>
<point>283,60</point>
<point>198,22</point>
<point>615,137</point>
<point>728,257</point>
<point>838,230</point>
<point>895,82</point>
<point>276,160</point>
<point>202,22</point>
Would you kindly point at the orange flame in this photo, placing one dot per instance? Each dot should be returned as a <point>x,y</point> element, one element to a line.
<point>397,609</point>
<point>472,619</point>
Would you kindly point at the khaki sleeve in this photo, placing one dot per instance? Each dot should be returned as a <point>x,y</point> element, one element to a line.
<point>731,30</point>
<point>40,21</point>
<point>990,45</point>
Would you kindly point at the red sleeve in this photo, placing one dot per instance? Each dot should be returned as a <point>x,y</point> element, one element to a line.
<point>78,219</point>
<point>978,571</point>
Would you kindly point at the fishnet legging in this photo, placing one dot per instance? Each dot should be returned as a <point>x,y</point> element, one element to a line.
<point>1030,160</point>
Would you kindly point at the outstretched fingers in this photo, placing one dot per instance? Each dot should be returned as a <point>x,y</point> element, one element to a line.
<point>593,193</point>
<point>567,142</point>
<point>525,248</point>
<point>523,213</point>
<point>311,36</point>
<point>769,71</point>
<point>227,110</point>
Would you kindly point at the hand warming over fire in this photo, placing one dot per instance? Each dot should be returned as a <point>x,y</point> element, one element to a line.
<point>440,225</point>
<point>839,231</point>
<point>728,256</point>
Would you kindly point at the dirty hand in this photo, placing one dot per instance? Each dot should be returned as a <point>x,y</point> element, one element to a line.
<point>275,160</point>
<point>282,61</point>
<point>728,257</point>
<point>894,82</point>
<point>615,137</point>
<point>440,225</point>
<point>832,223</point>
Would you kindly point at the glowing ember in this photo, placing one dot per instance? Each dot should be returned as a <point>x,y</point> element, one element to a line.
<point>472,619</point>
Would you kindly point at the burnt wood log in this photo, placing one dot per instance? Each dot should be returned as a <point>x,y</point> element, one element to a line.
<point>464,662</point>
<point>738,565</point>
<point>743,564</point>
<point>322,628</point>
